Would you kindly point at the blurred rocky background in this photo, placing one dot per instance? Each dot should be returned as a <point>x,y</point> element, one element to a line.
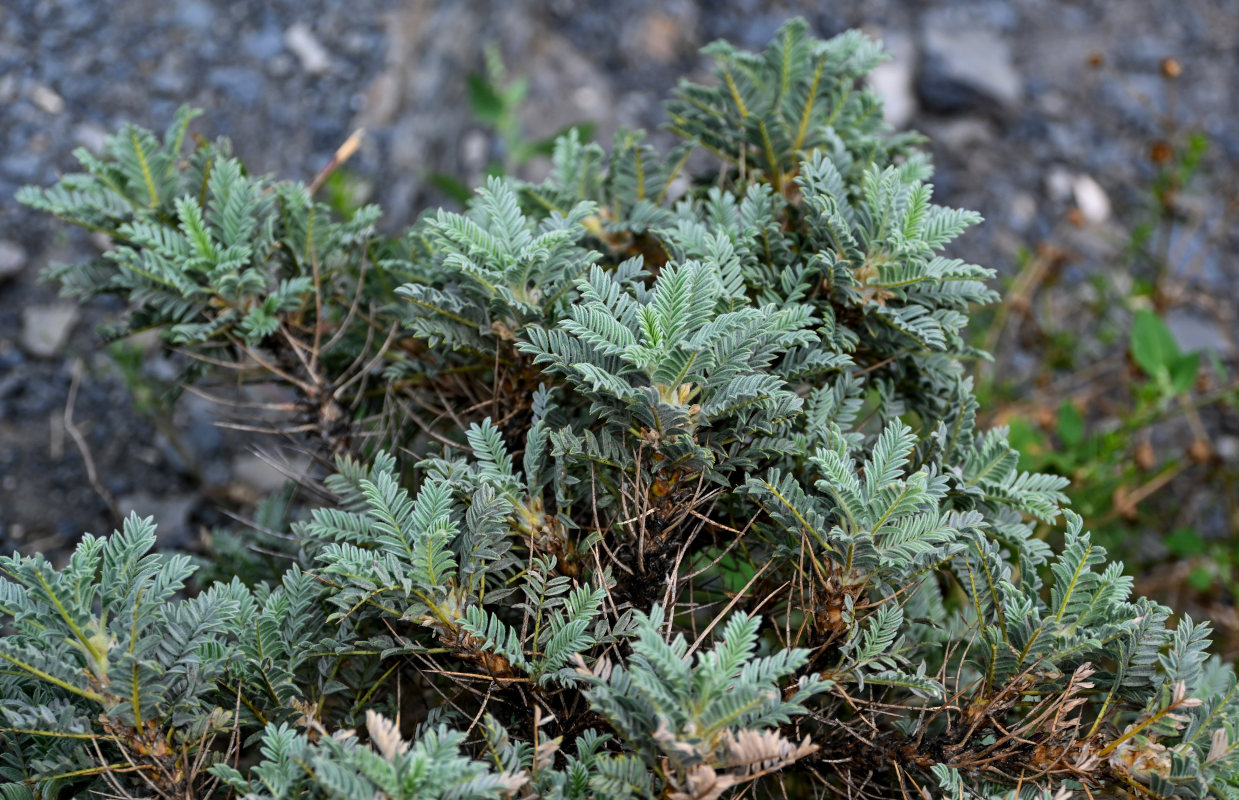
<point>1056,120</point>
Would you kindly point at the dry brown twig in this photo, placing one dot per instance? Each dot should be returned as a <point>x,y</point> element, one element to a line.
<point>83,447</point>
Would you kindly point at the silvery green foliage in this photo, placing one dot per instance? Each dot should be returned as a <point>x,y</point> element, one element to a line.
<point>203,249</point>
<point>689,498</point>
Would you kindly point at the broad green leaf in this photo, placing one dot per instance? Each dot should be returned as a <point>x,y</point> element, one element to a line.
<point>1070,424</point>
<point>1152,345</point>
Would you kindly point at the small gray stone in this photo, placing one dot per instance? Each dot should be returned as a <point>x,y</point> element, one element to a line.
<point>171,513</point>
<point>759,29</point>
<point>1058,182</point>
<point>204,440</point>
<point>1197,333</point>
<point>473,149</point>
<point>258,473</point>
<point>171,79</point>
<point>382,100</point>
<point>962,135</point>
<point>263,44</point>
<point>895,80</point>
<point>194,14</point>
<point>241,85</point>
<point>25,167</point>
<point>1091,199</point>
<point>8,87</point>
<point>91,136</point>
<point>1054,104</point>
<point>12,259</point>
<point>1023,211</point>
<point>280,66</point>
<point>46,329</point>
<point>308,50</point>
<point>968,69</point>
<point>148,342</point>
<point>588,99</point>
<point>46,98</point>
<point>658,36</point>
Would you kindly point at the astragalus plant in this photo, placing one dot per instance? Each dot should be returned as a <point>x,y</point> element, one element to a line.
<point>647,486</point>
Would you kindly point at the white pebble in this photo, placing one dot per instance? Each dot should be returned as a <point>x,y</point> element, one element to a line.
<point>312,55</point>
<point>46,329</point>
<point>45,97</point>
<point>1091,198</point>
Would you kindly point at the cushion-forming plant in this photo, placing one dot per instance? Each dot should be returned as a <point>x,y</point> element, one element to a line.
<point>647,485</point>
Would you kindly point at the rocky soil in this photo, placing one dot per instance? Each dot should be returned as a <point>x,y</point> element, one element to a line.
<point>1042,115</point>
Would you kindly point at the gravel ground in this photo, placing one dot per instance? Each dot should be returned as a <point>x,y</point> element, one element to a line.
<point>1042,116</point>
